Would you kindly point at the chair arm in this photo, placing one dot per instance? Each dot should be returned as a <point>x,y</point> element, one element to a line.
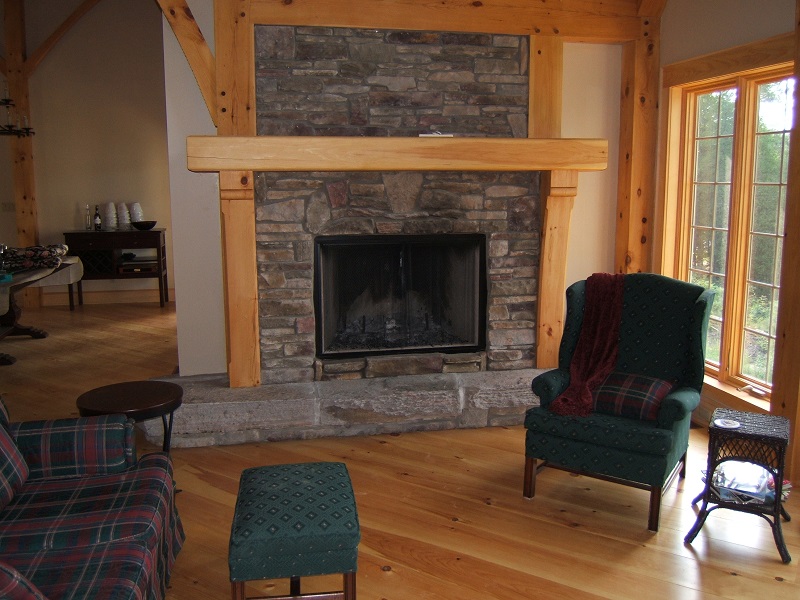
<point>677,405</point>
<point>549,385</point>
<point>76,446</point>
<point>15,586</point>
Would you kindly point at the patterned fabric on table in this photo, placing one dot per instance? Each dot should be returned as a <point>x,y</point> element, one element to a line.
<point>79,513</point>
<point>117,571</point>
<point>293,521</point>
<point>632,396</point>
<point>13,468</point>
<point>76,446</point>
<point>34,257</point>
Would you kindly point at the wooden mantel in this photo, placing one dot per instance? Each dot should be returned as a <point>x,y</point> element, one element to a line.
<point>305,153</point>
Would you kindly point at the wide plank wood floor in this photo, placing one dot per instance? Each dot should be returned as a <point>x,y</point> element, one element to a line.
<point>442,513</point>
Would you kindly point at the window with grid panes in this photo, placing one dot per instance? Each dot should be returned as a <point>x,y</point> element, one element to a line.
<point>736,158</point>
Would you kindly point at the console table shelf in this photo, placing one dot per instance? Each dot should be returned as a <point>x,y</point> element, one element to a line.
<point>102,255</point>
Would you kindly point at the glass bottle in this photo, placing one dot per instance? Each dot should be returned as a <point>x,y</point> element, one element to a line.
<point>98,222</point>
<point>88,222</point>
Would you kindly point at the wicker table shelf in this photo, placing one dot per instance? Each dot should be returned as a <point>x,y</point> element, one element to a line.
<point>759,439</point>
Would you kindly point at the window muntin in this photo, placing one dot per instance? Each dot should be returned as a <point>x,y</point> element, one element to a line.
<point>737,155</point>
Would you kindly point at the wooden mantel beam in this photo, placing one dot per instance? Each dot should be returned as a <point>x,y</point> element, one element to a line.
<point>305,153</point>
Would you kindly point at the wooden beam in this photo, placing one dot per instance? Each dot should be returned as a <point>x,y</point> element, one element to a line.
<point>546,87</point>
<point>785,399</point>
<point>586,22</point>
<point>38,56</point>
<point>235,116</point>
<point>734,61</point>
<point>305,153</point>
<point>559,189</point>
<point>194,46</point>
<point>637,150</point>
<point>21,148</point>
<point>650,8</point>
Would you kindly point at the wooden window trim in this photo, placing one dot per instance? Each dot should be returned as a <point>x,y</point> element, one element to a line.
<point>748,67</point>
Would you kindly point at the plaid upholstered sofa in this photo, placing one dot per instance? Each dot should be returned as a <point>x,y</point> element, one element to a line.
<point>80,515</point>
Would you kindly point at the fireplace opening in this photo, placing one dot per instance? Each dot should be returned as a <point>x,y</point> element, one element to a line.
<point>394,294</point>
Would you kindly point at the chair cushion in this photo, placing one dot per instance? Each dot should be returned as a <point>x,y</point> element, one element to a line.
<point>630,395</point>
<point>600,430</point>
<point>13,468</point>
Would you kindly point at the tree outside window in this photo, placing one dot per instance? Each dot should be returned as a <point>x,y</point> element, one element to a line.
<point>737,153</point>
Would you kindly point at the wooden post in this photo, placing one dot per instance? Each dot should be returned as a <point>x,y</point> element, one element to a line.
<point>21,147</point>
<point>559,189</point>
<point>235,96</point>
<point>785,399</point>
<point>637,150</point>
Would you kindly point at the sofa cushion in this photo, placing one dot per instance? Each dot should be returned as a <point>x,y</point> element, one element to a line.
<point>118,571</point>
<point>630,395</point>
<point>83,511</point>
<point>13,468</point>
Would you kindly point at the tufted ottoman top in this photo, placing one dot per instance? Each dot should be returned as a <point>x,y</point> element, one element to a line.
<point>296,510</point>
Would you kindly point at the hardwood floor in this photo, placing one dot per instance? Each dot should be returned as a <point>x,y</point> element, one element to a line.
<point>442,513</point>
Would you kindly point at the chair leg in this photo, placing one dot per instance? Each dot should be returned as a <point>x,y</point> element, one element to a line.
<point>294,586</point>
<point>529,484</point>
<point>655,508</point>
<point>350,586</point>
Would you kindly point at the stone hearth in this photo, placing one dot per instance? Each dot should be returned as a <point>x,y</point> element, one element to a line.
<point>215,414</point>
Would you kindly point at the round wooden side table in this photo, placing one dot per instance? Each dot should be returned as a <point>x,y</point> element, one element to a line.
<point>139,400</point>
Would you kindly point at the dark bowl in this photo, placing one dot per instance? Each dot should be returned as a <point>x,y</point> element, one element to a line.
<point>143,225</point>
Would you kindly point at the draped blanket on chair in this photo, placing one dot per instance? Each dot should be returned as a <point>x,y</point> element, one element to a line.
<point>596,351</point>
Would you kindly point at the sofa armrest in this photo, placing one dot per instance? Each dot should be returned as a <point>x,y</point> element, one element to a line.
<point>77,446</point>
<point>677,405</point>
<point>15,586</point>
<point>549,385</point>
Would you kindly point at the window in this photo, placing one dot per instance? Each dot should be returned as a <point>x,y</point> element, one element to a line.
<point>733,182</point>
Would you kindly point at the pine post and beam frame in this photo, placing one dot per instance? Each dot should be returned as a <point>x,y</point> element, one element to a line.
<point>558,190</point>
<point>24,187</point>
<point>785,399</point>
<point>235,77</point>
<point>195,48</point>
<point>638,134</point>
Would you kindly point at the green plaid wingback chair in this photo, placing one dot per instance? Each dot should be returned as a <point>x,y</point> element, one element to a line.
<point>638,431</point>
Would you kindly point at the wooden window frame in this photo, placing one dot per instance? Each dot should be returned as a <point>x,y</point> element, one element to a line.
<point>744,69</point>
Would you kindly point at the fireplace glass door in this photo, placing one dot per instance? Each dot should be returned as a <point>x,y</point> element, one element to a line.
<point>390,294</point>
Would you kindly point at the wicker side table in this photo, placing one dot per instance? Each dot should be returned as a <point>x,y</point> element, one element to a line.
<point>759,439</point>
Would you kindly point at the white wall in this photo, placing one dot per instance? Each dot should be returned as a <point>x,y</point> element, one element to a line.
<point>195,213</point>
<point>691,28</point>
<point>591,92</point>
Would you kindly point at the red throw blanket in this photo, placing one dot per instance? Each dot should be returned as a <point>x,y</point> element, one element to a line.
<point>596,351</point>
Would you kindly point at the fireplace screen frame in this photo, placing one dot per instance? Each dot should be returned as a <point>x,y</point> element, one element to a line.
<point>475,242</point>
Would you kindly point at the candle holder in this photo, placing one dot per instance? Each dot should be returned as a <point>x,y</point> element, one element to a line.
<point>19,130</point>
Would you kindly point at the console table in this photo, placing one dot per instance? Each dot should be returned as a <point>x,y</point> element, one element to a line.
<point>102,255</point>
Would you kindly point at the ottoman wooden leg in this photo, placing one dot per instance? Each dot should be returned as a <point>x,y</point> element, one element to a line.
<point>237,590</point>
<point>350,586</point>
<point>294,586</point>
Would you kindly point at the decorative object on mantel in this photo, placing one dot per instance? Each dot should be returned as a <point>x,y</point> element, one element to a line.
<point>20,129</point>
<point>143,225</point>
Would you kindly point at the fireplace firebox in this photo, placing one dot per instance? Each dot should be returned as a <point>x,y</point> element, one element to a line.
<point>389,294</point>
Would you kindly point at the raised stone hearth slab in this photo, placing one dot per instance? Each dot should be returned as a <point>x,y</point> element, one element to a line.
<point>215,414</point>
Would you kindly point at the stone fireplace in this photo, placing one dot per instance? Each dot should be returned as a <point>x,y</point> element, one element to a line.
<point>319,81</point>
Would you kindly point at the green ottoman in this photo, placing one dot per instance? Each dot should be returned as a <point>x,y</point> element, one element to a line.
<point>292,521</point>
